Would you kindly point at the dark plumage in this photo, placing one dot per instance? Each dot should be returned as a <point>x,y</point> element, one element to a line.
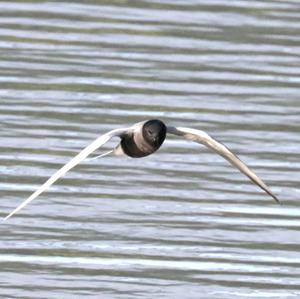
<point>137,145</point>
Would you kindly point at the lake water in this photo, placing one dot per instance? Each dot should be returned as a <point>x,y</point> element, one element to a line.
<point>180,223</point>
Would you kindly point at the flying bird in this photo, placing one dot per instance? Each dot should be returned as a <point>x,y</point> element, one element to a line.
<point>141,140</point>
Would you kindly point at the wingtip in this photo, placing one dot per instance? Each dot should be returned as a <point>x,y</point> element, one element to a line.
<point>11,213</point>
<point>276,198</point>
<point>6,218</point>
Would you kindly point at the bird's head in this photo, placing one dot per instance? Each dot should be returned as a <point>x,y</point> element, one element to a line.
<point>154,132</point>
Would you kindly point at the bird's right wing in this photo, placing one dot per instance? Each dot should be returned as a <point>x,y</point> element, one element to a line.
<point>76,160</point>
<point>203,138</point>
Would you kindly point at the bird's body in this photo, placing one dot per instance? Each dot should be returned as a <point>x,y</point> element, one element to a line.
<point>143,139</point>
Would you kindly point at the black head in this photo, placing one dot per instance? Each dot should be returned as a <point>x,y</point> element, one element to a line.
<point>154,132</point>
<point>145,140</point>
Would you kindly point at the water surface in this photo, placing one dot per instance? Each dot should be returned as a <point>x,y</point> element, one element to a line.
<point>180,223</point>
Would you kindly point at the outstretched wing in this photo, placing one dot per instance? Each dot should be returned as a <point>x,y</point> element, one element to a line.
<point>76,160</point>
<point>203,138</point>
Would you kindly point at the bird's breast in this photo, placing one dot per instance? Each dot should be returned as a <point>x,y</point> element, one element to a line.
<point>136,146</point>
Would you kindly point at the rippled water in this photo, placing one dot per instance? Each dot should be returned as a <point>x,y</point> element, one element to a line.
<point>177,224</point>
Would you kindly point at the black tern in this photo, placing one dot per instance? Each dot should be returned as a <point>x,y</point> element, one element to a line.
<point>143,139</point>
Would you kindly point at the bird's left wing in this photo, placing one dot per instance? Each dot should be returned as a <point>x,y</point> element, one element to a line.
<point>203,138</point>
<point>76,160</point>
